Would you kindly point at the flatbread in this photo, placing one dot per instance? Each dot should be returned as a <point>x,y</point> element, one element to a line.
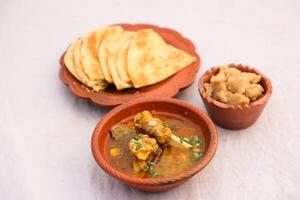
<point>151,60</point>
<point>89,58</point>
<point>127,59</point>
<point>113,51</point>
<point>108,41</point>
<point>71,60</point>
<point>78,69</point>
<point>121,63</point>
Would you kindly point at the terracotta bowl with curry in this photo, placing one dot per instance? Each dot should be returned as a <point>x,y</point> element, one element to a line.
<point>154,144</point>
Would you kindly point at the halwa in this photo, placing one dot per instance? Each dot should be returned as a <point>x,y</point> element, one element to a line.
<point>232,86</point>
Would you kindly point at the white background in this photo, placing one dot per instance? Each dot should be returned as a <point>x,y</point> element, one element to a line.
<point>45,131</point>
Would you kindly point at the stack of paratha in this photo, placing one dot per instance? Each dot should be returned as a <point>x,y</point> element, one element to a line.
<point>126,59</point>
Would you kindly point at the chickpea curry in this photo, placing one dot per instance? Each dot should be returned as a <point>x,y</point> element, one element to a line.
<point>153,146</point>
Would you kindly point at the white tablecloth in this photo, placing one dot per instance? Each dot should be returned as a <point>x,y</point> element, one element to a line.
<point>45,131</point>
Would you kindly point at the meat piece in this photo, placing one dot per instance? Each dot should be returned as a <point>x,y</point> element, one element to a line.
<point>153,126</point>
<point>140,166</point>
<point>141,146</point>
<point>122,130</point>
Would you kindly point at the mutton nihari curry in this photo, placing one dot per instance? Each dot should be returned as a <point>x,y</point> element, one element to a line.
<point>152,146</point>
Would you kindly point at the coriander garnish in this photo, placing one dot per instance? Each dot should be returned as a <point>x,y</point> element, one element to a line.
<point>196,156</point>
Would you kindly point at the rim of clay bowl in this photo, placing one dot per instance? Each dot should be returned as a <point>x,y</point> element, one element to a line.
<point>245,68</point>
<point>207,157</point>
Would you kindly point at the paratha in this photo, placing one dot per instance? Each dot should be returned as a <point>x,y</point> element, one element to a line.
<point>150,59</point>
<point>126,59</point>
<point>72,62</point>
<point>121,63</point>
<point>89,58</point>
<point>79,71</point>
<point>69,59</point>
<point>113,51</point>
<point>108,41</point>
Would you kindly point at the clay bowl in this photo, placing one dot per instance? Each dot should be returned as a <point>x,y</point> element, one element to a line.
<point>167,88</point>
<point>168,106</point>
<point>231,116</point>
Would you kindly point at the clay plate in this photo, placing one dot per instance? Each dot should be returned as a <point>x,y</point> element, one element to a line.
<point>168,106</point>
<point>167,88</point>
<point>231,116</point>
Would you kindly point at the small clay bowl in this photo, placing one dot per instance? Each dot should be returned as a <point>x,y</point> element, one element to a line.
<point>168,106</point>
<point>234,116</point>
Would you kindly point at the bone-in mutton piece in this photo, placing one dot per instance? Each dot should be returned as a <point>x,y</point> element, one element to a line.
<point>157,128</point>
